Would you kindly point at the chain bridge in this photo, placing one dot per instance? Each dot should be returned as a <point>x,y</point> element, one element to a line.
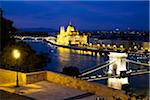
<point>116,70</point>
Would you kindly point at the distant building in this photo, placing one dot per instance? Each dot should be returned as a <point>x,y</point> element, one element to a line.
<point>146,46</point>
<point>70,36</point>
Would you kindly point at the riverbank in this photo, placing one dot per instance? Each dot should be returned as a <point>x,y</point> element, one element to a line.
<point>78,48</point>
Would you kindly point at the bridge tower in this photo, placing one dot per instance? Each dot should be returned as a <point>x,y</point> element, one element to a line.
<point>118,65</point>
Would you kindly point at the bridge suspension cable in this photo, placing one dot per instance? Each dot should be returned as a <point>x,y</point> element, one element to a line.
<point>98,68</point>
<point>132,74</point>
<point>101,78</point>
<point>139,73</point>
<point>139,63</point>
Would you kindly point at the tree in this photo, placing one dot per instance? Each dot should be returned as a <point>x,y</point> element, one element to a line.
<point>6,30</point>
<point>29,61</point>
<point>71,71</point>
<point>43,60</point>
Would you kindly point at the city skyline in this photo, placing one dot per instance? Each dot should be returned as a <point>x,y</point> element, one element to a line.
<point>85,15</point>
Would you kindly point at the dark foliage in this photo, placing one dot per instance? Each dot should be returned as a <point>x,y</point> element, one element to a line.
<point>71,71</point>
<point>6,30</point>
<point>29,61</point>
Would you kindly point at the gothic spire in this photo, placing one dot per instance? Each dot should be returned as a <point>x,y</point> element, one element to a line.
<point>70,22</point>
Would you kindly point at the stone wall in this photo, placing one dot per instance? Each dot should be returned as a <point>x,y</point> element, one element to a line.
<point>36,77</point>
<point>7,77</point>
<point>85,86</point>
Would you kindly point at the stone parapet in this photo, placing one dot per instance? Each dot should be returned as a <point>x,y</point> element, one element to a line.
<point>7,76</point>
<point>36,77</point>
<point>98,89</point>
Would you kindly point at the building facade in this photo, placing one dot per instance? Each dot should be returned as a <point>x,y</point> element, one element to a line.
<point>70,36</point>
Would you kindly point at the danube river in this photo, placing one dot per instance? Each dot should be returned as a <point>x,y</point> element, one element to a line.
<point>62,57</point>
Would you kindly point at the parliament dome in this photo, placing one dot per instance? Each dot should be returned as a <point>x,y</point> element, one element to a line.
<point>70,28</point>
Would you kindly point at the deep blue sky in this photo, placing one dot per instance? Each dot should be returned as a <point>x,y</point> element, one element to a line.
<point>84,15</point>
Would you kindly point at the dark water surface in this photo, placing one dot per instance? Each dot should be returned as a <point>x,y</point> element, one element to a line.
<point>61,57</point>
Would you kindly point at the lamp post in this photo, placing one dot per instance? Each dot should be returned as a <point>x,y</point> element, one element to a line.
<point>16,55</point>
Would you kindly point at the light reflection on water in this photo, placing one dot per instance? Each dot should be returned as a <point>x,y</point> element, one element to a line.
<point>67,57</point>
<point>61,57</point>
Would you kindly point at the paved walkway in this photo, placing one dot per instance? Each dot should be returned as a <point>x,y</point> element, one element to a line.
<point>4,95</point>
<point>49,91</point>
<point>80,96</point>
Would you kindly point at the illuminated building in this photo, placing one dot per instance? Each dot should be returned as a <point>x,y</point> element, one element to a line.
<point>70,36</point>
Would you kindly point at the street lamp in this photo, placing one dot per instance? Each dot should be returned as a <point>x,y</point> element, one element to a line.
<point>16,55</point>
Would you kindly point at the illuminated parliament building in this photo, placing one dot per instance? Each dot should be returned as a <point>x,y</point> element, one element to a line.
<point>70,36</point>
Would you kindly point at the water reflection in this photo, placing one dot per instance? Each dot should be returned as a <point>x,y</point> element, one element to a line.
<point>77,58</point>
<point>62,57</point>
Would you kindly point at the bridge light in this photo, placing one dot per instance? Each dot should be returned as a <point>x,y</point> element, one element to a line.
<point>103,45</point>
<point>121,46</point>
<point>108,45</point>
<point>114,46</point>
<point>98,45</point>
<point>99,75</point>
<point>90,44</point>
<point>135,47</point>
<point>141,48</point>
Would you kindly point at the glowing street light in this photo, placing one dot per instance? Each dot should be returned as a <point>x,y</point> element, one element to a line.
<point>16,55</point>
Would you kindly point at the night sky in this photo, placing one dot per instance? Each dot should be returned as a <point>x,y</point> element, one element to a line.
<point>85,15</point>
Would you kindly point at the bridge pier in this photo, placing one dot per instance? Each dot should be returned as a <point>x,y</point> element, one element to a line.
<point>118,65</point>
